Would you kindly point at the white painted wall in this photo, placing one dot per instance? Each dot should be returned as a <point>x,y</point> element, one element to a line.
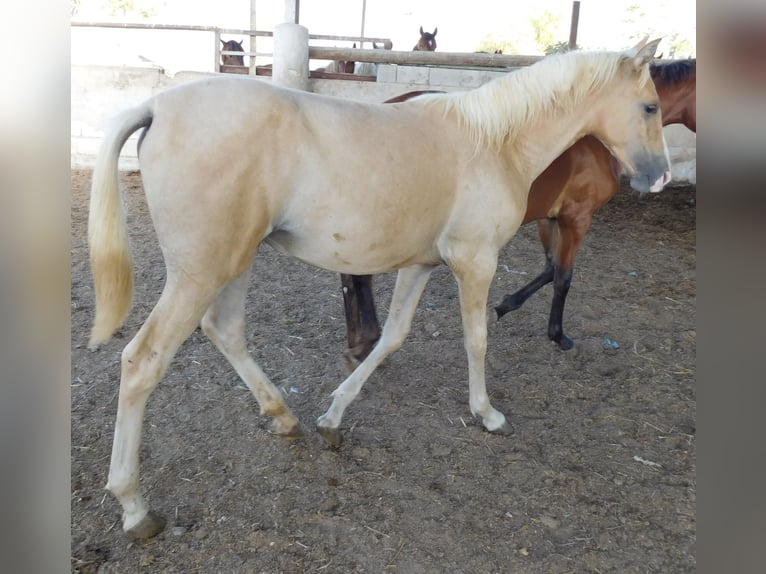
<point>99,92</point>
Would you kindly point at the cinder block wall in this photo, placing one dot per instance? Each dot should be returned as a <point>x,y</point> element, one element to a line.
<point>99,92</point>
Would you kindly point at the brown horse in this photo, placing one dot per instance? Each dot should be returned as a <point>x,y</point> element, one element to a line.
<point>562,200</point>
<point>427,41</point>
<point>232,59</point>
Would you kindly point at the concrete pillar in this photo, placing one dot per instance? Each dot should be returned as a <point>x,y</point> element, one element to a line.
<point>291,56</point>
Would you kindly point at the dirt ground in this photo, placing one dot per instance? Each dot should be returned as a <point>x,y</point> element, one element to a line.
<point>599,477</point>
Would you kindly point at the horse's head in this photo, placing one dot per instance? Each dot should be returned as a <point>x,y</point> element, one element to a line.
<point>676,85</point>
<point>230,59</point>
<point>427,42</point>
<point>637,141</point>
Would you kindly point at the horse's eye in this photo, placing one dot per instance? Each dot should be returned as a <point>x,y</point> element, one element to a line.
<point>651,108</point>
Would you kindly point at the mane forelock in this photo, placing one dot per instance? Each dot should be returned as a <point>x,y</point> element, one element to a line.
<point>674,71</point>
<point>495,110</point>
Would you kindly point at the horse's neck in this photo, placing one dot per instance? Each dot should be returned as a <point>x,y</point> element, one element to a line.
<point>678,104</point>
<point>540,142</point>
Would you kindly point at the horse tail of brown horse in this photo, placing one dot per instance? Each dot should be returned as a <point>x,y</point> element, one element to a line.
<point>110,254</point>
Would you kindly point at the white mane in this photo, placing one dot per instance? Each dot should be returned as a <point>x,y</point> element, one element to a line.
<point>492,112</point>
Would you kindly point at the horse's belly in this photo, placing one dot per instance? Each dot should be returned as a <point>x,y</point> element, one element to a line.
<point>353,255</point>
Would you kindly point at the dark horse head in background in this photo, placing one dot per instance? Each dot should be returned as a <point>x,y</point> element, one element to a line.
<point>230,59</point>
<point>427,42</point>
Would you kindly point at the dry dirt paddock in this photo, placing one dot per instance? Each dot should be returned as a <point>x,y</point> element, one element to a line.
<point>599,477</point>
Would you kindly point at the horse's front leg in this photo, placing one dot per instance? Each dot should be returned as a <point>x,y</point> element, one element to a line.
<point>474,279</point>
<point>410,283</point>
<point>547,229</point>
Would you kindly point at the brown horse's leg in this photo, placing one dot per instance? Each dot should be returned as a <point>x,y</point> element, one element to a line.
<point>571,233</point>
<point>546,229</point>
<point>362,327</point>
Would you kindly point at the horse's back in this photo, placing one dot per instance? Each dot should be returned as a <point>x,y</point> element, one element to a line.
<point>322,178</point>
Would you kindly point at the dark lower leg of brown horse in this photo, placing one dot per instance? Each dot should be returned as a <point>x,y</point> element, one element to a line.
<point>362,328</point>
<point>561,282</point>
<point>517,299</point>
<point>568,233</point>
<point>546,228</point>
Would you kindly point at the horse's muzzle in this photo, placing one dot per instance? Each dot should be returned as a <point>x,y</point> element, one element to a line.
<point>652,172</point>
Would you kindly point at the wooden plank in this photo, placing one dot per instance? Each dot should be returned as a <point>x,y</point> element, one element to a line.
<point>422,58</point>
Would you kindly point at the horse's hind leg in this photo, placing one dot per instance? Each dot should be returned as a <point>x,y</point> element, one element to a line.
<point>410,283</point>
<point>224,324</point>
<point>144,361</point>
<point>547,229</point>
<point>362,327</point>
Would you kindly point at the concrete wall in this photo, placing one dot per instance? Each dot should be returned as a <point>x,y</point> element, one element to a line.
<point>99,92</point>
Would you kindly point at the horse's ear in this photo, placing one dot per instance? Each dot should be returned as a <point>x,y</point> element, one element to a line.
<point>421,30</point>
<point>635,49</point>
<point>354,46</point>
<point>646,53</point>
<point>435,30</point>
<point>222,42</point>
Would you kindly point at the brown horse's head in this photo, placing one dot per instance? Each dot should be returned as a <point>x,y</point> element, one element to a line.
<point>676,84</point>
<point>229,59</point>
<point>427,42</point>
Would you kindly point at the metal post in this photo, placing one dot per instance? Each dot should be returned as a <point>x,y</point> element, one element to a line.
<point>364,14</point>
<point>292,11</point>
<point>253,39</point>
<point>575,22</point>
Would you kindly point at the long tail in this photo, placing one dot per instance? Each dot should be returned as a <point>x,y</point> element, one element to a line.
<point>110,254</point>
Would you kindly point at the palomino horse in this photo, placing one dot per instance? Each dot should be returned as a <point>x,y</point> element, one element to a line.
<point>312,185</point>
<point>427,41</point>
<point>232,59</point>
<point>562,200</point>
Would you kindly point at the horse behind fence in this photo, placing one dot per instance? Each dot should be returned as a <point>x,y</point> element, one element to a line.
<point>233,63</point>
<point>427,41</point>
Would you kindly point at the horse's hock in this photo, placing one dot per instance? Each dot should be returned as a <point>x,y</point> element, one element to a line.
<point>100,91</point>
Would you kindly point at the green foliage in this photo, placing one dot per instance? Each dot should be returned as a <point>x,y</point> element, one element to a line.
<point>142,8</point>
<point>680,47</point>
<point>545,29</point>
<point>126,8</point>
<point>490,45</point>
<point>557,48</point>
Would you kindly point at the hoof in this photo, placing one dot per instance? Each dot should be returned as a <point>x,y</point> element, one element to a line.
<point>509,303</point>
<point>564,343</point>
<point>330,435</point>
<point>294,431</point>
<point>504,430</point>
<point>151,525</point>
